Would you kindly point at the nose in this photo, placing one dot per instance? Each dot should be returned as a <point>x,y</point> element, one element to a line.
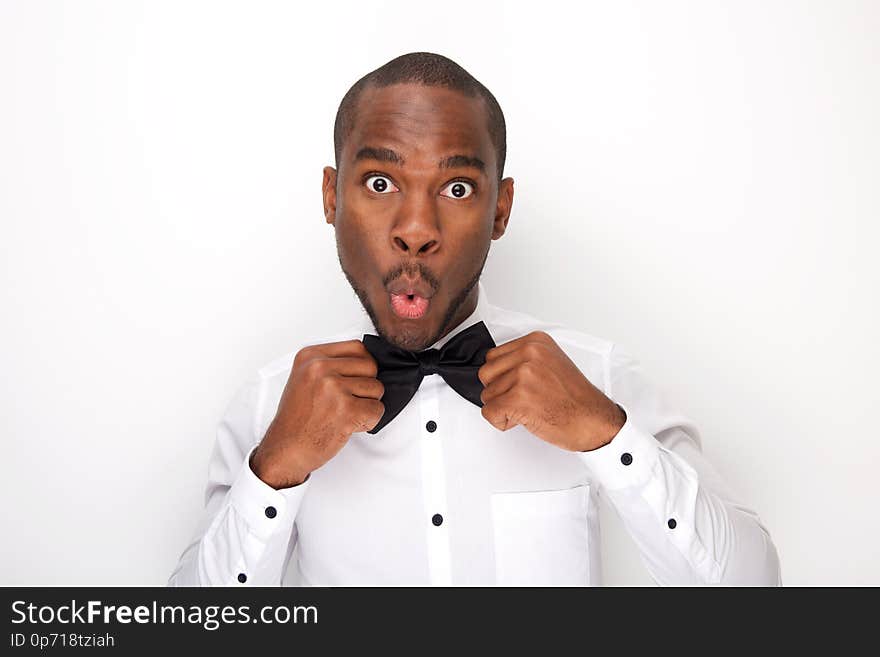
<point>416,229</point>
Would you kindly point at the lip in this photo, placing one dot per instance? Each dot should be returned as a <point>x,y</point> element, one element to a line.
<point>415,286</point>
<point>409,308</point>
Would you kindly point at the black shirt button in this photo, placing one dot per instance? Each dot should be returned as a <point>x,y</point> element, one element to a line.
<point>242,578</point>
<point>431,426</point>
<point>626,458</point>
<point>671,523</point>
<point>271,512</point>
<point>437,519</point>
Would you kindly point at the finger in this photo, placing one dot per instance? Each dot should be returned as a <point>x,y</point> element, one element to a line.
<point>500,385</point>
<point>501,412</point>
<point>535,337</point>
<point>364,386</point>
<point>366,413</point>
<point>352,366</point>
<point>491,370</point>
<point>506,348</point>
<point>532,338</point>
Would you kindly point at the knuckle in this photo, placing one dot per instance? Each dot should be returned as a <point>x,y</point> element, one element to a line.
<point>326,384</point>
<point>303,355</point>
<point>311,367</point>
<point>323,367</point>
<point>527,371</point>
<point>346,406</point>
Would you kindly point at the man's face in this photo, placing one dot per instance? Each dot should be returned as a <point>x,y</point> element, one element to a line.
<point>415,204</point>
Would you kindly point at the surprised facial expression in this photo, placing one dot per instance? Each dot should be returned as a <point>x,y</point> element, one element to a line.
<point>415,205</point>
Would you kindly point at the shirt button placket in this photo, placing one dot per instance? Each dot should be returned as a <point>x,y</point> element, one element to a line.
<point>434,481</point>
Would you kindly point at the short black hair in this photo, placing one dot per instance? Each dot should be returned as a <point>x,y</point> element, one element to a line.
<point>430,70</point>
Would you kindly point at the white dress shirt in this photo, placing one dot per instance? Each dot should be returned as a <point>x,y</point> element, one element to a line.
<point>441,497</point>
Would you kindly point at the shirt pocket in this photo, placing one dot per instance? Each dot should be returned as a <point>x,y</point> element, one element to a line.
<point>542,537</point>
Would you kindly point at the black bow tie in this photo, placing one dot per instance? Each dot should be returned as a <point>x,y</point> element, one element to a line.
<point>402,371</point>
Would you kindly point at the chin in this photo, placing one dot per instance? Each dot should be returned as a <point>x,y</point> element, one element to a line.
<point>403,334</point>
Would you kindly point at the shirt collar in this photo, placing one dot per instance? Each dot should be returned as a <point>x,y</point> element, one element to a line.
<point>480,314</point>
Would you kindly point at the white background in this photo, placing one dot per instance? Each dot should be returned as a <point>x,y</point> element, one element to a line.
<point>697,181</point>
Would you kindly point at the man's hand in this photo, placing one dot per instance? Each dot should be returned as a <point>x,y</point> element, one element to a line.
<point>530,381</point>
<point>331,393</point>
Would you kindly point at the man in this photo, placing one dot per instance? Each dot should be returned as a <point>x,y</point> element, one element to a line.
<point>444,440</point>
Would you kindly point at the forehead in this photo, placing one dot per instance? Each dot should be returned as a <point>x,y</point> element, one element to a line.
<point>421,123</point>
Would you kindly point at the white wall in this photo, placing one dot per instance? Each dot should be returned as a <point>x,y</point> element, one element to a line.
<point>697,181</point>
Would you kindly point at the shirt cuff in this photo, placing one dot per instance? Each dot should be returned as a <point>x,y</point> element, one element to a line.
<point>627,461</point>
<point>264,509</point>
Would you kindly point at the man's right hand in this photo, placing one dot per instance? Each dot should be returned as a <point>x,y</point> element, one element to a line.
<point>331,393</point>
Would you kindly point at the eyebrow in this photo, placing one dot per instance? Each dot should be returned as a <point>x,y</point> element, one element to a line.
<point>459,161</point>
<point>378,154</point>
<point>389,155</point>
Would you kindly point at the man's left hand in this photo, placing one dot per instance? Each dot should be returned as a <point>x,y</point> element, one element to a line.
<point>532,382</point>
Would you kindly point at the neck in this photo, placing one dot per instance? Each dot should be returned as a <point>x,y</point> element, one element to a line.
<point>463,310</point>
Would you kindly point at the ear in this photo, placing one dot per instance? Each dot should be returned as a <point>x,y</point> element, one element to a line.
<point>502,207</point>
<point>328,190</point>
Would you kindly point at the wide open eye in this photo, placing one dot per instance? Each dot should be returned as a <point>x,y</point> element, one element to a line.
<point>458,189</point>
<point>380,184</point>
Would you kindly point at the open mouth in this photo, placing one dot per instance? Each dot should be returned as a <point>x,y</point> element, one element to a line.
<point>409,306</point>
